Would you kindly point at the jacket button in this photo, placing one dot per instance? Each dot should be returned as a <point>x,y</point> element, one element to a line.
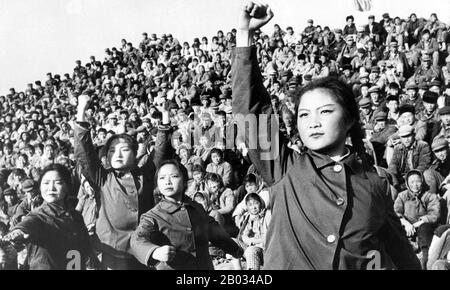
<point>188,229</point>
<point>337,168</point>
<point>183,208</point>
<point>331,239</point>
<point>340,201</point>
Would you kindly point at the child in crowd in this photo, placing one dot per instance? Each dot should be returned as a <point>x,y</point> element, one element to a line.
<point>253,229</point>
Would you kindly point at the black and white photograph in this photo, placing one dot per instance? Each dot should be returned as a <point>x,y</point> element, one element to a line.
<point>231,136</point>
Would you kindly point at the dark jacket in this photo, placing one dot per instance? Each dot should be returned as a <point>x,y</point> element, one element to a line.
<point>187,227</point>
<point>325,215</point>
<point>122,199</point>
<point>55,232</point>
<point>421,158</point>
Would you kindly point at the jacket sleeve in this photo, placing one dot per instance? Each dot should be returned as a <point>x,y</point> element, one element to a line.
<point>163,146</point>
<point>251,102</point>
<point>433,209</point>
<point>424,158</point>
<point>220,238</point>
<point>394,238</point>
<point>393,165</point>
<point>141,244</point>
<point>399,205</point>
<point>227,174</point>
<point>33,226</point>
<point>86,156</point>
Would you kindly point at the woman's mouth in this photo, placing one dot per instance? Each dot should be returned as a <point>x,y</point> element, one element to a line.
<point>316,135</point>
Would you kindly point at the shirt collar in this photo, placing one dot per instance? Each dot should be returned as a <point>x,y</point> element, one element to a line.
<point>349,159</point>
<point>171,206</point>
<point>54,209</point>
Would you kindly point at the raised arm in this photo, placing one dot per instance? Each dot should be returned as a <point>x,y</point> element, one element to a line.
<point>251,101</point>
<point>85,153</point>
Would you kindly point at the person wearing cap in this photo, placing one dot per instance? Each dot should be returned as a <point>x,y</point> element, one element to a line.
<point>429,114</point>
<point>125,189</point>
<point>336,46</point>
<point>382,131</point>
<point>426,46</point>
<point>443,126</point>
<point>397,32</point>
<point>373,29</point>
<point>407,116</point>
<point>378,104</point>
<point>393,105</point>
<point>412,97</point>
<point>426,72</point>
<point>31,201</point>
<point>440,167</point>
<point>419,212</point>
<point>360,60</point>
<point>409,154</point>
<point>397,59</point>
<point>309,30</point>
<point>114,125</point>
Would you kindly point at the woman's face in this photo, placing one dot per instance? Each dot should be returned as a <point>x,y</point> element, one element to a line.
<point>49,151</point>
<point>215,158</point>
<point>53,188</point>
<point>121,155</point>
<point>170,181</point>
<point>321,122</point>
<point>253,206</point>
<point>251,187</point>
<point>415,183</point>
<point>184,154</point>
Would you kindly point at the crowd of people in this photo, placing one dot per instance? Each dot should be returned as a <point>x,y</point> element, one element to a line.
<point>136,161</point>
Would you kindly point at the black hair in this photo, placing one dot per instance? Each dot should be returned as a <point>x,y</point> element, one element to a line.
<point>214,177</point>
<point>217,151</point>
<point>253,196</point>
<point>180,167</point>
<point>344,96</point>
<point>250,178</point>
<point>64,173</point>
<point>128,139</point>
<point>198,168</point>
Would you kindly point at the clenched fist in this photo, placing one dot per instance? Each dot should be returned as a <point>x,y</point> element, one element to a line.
<point>254,16</point>
<point>83,102</point>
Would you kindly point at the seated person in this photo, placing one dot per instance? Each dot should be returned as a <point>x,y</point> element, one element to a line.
<point>253,227</point>
<point>419,211</point>
<point>221,167</point>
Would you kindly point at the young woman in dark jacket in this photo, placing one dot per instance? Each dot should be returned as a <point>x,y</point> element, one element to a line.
<point>329,210</point>
<point>56,234</point>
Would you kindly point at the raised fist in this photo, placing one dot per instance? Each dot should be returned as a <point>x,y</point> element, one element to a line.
<point>254,16</point>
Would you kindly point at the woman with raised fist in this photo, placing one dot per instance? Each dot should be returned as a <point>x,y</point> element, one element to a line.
<point>330,210</point>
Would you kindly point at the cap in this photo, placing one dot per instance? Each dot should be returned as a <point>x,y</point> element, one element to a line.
<point>405,130</point>
<point>374,89</point>
<point>439,144</point>
<point>375,69</point>
<point>339,31</point>
<point>380,116</point>
<point>445,110</point>
<point>430,97</point>
<point>412,86</point>
<point>364,102</point>
<point>436,83</point>
<point>112,116</point>
<point>406,109</point>
<point>9,191</point>
<point>28,185</point>
<point>386,15</point>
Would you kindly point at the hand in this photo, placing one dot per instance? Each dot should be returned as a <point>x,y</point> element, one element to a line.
<point>254,16</point>
<point>164,253</point>
<point>409,228</point>
<point>16,236</point>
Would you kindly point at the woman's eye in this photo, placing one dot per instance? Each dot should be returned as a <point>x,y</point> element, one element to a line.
<point>326,112</point>
<point>302,115</point>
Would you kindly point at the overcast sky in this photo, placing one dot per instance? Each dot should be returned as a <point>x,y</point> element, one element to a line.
<point>40,36</point>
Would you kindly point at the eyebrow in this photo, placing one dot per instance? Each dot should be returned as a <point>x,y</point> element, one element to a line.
<point>321,107</point>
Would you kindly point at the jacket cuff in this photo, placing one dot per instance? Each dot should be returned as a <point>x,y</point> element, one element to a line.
<point>149,261</point>
<point>82,125</point>
<point>164,127</point>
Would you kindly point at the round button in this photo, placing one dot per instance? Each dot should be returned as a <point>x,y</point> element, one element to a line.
<point>337,168</point>
<point>183,208</point>
<point>340,201</point>
<point>188,229</point>
<point>331,239</point>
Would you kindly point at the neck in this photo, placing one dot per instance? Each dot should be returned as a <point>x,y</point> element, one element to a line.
<point>175,198</point>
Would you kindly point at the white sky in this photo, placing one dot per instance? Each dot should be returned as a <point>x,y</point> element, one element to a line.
<point>40,36</point>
